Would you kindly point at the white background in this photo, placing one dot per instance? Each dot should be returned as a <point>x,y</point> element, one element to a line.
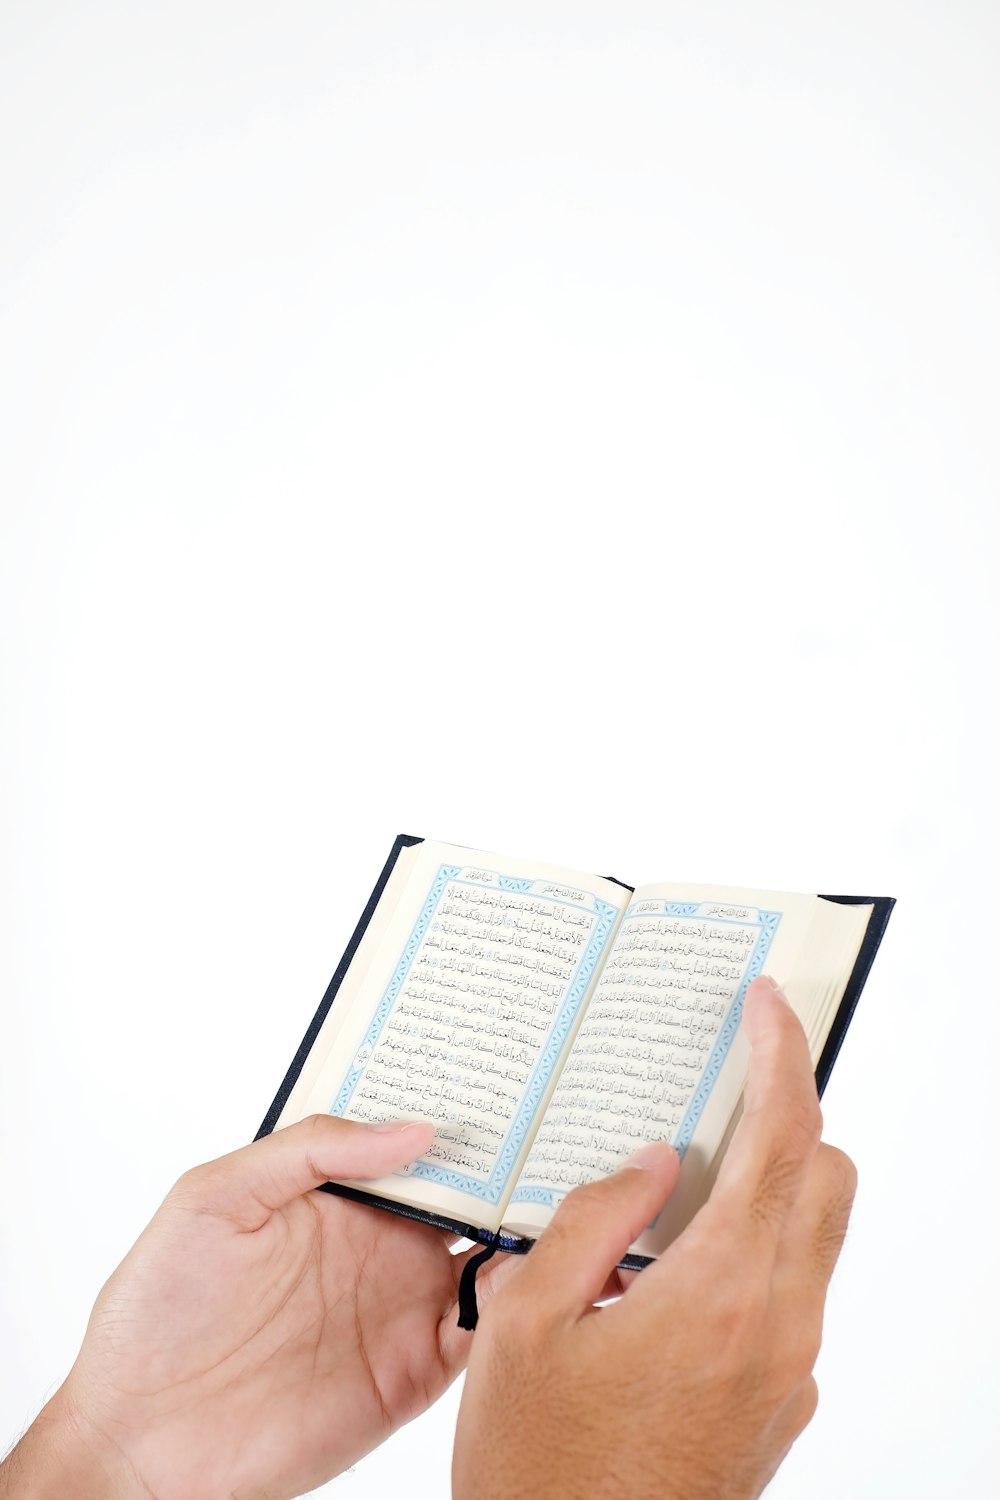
<point>562,428</point>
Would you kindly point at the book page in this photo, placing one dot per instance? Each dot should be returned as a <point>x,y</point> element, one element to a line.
<point>659,1055</point>
<point>462,1015</point>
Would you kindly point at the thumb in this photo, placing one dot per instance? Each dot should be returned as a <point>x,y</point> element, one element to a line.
<point>248,1185</point>
<point>568,1269</point>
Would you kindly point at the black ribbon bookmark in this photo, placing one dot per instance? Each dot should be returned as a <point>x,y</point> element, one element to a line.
<point>468,1307</point>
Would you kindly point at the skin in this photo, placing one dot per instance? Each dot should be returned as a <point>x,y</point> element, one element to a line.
<point>696,1382</point>
<point>259,1337</point>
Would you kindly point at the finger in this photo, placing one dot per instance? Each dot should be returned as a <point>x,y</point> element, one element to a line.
<point>498,1272</point>
<point>814,1234</point>
<point>807,1256</point>
<point>249,1184</point>
<point>776,1139</point>
<point>569,1268</point>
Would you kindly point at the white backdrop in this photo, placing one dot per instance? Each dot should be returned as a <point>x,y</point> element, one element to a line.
<point>562,428</point>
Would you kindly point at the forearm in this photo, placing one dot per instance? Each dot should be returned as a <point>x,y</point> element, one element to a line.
<point>59,1457</point>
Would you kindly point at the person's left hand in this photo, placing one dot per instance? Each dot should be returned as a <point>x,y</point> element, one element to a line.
<point>260,1337</point>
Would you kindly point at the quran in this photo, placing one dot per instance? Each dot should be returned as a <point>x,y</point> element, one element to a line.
<point>550,1023</point>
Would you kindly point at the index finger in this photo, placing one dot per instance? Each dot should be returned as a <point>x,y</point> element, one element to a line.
<point>774,1144</point>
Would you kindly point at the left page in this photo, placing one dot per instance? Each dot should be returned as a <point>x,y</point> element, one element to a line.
<point>459,1008</point>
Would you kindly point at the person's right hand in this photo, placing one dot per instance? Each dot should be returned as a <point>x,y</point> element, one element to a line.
<point>696,1382</point>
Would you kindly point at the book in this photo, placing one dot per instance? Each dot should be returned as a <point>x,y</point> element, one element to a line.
<point>550,1022</point>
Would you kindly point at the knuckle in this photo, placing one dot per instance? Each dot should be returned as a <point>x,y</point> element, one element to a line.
<point>801,1352</point>
<point>806,1402</point>
<point>804,1123</point>
<point>316,1131</point>
<point>838,1183</point>
<point>775,1187</point>
<point>841,1172</point>
<point>792,1349</point>
<point>316,1128</point>
<point>828,1240</point>
<point>314,1135</point>
<point>796,1405</point>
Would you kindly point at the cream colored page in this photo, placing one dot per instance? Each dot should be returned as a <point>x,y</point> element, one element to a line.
<point>659,1054</point>
<point>300,1101</point>
<point>462,1016</point>
<point>814,980</point>
<point>825,965</point>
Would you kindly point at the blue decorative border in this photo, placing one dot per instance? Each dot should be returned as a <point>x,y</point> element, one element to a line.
<point>768,923</point>
<point>546,1196</point>
<point>490,1190</point>
<point>444,874</point>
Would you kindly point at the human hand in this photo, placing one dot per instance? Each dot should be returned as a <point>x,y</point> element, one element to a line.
<point>258,1337</point>
<point>696,1382</point>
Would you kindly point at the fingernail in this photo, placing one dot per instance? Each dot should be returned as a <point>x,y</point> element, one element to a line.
<point>384,1126</point>
<point>776,987</point>
<point>647,1156</point>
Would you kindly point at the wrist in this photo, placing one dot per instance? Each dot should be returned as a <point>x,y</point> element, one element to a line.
<point>62,1454</point>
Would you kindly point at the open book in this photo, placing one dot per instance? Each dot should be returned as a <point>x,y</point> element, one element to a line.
<point>549,1023</point>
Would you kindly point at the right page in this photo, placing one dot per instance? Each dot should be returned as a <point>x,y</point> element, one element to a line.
<point>660,1055</point>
